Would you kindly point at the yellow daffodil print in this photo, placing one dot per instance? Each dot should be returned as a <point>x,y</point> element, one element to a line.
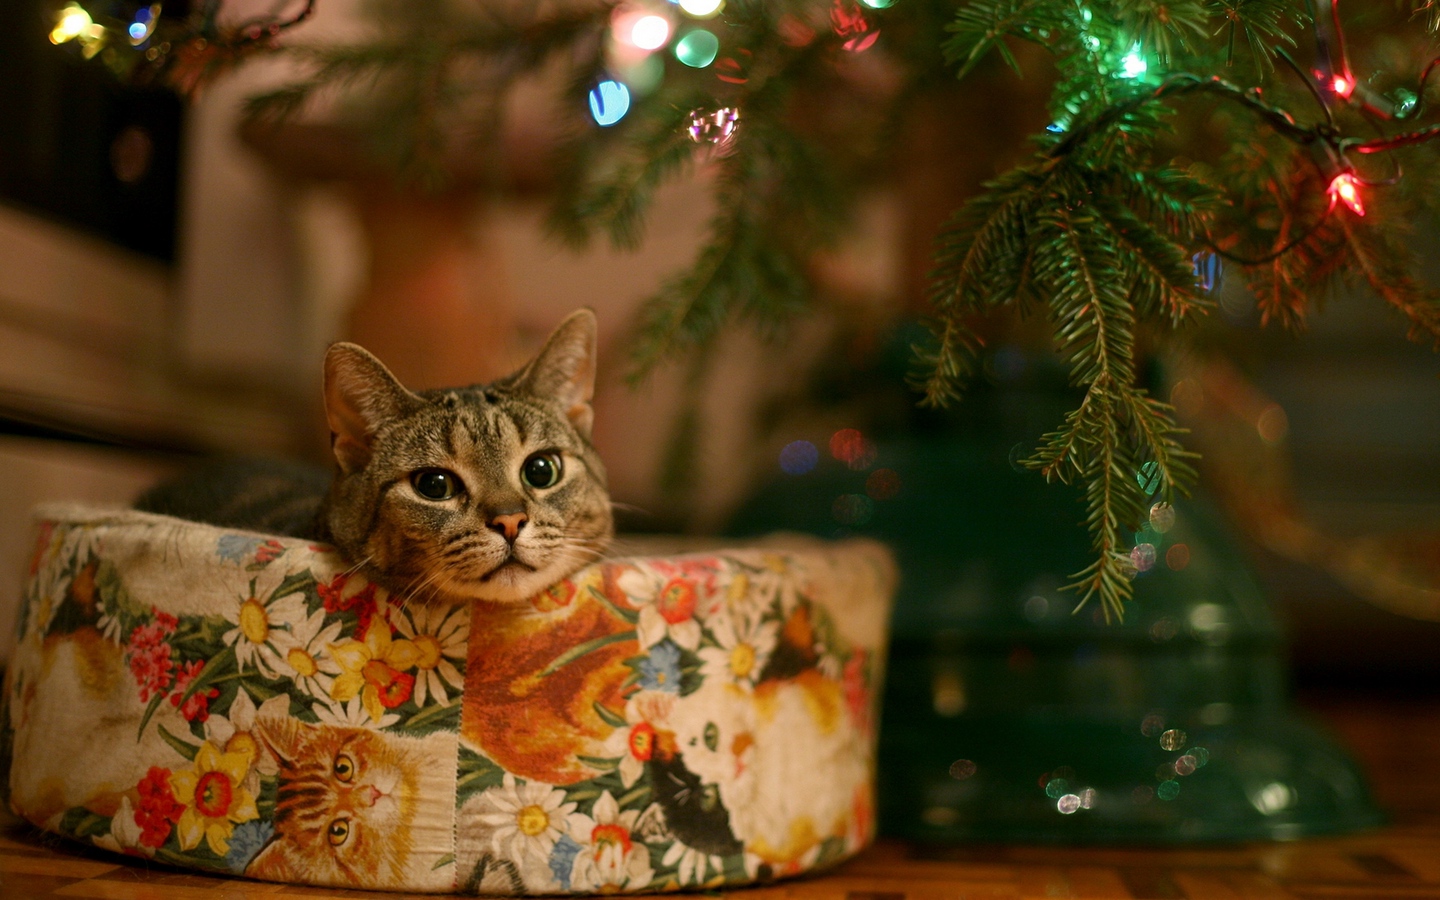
<point>215,797</point>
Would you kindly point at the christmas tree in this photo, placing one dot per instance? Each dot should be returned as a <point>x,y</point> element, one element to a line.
<point>1276,135</point>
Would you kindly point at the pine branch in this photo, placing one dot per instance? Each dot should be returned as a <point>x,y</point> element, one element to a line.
<point>1261,22</point>
<point>1160,25</point>
<point>619,199</point>
<point>982,26</point>
<point>1386,264</point>
<point>982,253</point>
<point>1158,268</point>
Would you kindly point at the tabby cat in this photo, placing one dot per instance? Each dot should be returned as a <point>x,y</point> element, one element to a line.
<point>489,492</point>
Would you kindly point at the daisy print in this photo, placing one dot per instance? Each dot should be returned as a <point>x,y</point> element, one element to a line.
<point>256,616</point>
<point>693,866</point>
<point>743,647</point>
<point>351,714</point>
<point>524,819</point>
<point>611,855</point>
<point>304,654</point>
<point>439,633</point>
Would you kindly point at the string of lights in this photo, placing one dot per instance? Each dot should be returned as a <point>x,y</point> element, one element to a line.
<point>792,103</point>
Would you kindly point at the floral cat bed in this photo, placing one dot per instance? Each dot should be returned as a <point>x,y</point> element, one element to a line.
<point>242,704</point>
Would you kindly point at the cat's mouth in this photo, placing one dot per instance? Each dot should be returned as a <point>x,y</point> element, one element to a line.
<point>510,566</point>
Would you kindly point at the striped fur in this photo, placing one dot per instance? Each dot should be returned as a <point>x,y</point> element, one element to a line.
<point>455,550</point>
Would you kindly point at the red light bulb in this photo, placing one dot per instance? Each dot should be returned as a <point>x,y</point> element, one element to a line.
<point>1346,189</point>
<point>1342,86</point>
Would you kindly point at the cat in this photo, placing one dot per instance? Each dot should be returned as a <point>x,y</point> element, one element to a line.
<point>489,492</point>
<point>355,807</point>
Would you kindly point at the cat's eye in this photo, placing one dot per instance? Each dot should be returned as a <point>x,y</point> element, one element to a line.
<point>435,484</point>
<point>338,832</point>
<point>344,767</point>
<point>541,470</point>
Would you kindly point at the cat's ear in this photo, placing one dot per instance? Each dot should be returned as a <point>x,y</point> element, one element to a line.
<point>360,396</point>
<point>564,369</point>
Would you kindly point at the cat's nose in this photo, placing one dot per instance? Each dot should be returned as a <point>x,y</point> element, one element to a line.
<point>508,525</point>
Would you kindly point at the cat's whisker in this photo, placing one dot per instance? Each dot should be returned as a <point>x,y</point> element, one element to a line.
<point>358,566</point>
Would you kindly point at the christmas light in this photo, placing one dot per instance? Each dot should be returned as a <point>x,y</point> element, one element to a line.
<point>1346,189</point>
<point>878,4</point>
<point>650,32</point>
<point>609,102</point>
<point>1342,86</point>
<point>1133,65</point>
<point>697,49</point>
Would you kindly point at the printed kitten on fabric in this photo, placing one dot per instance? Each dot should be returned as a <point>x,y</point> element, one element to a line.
<point>487,492</point>
<point>355,806</point>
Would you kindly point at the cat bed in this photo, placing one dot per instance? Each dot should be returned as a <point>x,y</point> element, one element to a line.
<point>243,704</point>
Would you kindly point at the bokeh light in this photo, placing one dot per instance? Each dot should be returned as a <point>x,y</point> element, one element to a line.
<point>883,484</point>
<point>1068,803</point>
<point>799,457</point>
<point>1152,724</point>
<point>702,9</point>
<point>609,102</point>
<point>1055,788</point>
<point>1142,795</point>
<point>962,769</point>
<point>70,23</point>
<point>1168,791</point>
<point>697,49</point>
<point>850,447</point>
<point>1142,557</point>
<point>1148,477</point>
<point>852,509</point>
<point>1272,798</point>
<point>1177,557</point>
<point>1209,271</point>
<point>1162,517</point>
<point>732,69</point>
<point>1088,798</point>
<point>1037,608</point>
<point>650,32</point>
<point>715,127</point>
<point>1174,739</point>
<point>1185,765</point>
<point>878,4</point>
<point>1272,424</point>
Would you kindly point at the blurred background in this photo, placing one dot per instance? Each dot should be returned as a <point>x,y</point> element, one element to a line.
<point>169,281</point>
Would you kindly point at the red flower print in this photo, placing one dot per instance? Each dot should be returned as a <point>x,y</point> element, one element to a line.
<point>150,662</point>
<point>197,707</point>
<point>158,810</point>
<point>362,602</point>
<point>269,551</point>
<point>393,686</point>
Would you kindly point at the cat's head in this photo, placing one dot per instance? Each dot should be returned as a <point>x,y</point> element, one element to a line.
<point>490,492</point>
<point>344,807</point>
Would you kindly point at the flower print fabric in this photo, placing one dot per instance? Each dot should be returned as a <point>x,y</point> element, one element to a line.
<point>682,722</point>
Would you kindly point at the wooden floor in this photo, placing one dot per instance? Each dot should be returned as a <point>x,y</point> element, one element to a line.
<point>1397,741</point>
